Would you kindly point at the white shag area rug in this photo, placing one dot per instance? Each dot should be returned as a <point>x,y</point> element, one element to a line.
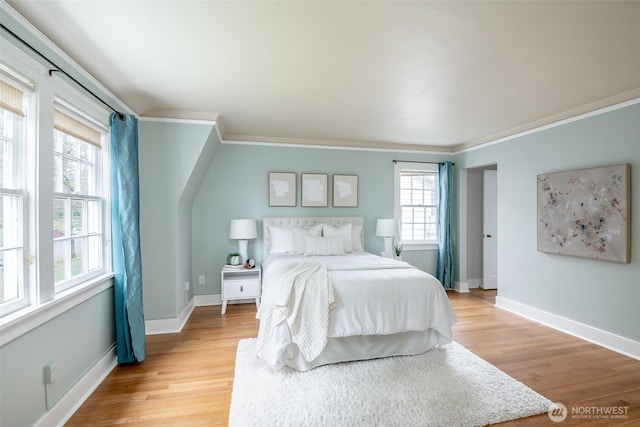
<point>449,386</point>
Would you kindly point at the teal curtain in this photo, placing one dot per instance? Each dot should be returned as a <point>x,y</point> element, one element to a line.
<point>445,270</point>
<point>125,240</point>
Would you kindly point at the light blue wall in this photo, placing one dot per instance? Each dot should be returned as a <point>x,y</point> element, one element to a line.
<point>75,341</point>
<point>600,294</point>
<point>236,187</point>
<point>174,157</point>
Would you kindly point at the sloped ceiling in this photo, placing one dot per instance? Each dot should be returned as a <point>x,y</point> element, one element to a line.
<point>433,75</point>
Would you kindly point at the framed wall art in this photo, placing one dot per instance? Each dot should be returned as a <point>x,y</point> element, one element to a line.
<point>282,189</point>
<point>586,213</point>
<point>314,190</point>
<point>345,191</point>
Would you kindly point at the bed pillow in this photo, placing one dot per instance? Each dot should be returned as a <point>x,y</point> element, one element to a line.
<point>343,231</point>
<point>281,240</point>
<point>356,238</point>
<point>299,233</point>
<point>315,245</point>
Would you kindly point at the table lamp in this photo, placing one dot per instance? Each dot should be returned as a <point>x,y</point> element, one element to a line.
<point>242,230</point>
<point>387,228</point>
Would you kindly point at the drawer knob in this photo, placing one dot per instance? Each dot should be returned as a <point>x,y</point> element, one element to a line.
<point>241,288</point>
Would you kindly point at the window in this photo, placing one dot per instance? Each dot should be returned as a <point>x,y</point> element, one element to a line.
<point>54,190</point>
<point>416,192</point>
<point>13,289</point>
<point>77,199</point>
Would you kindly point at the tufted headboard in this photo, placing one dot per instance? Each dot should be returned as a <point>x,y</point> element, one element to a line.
<point>304,222</point>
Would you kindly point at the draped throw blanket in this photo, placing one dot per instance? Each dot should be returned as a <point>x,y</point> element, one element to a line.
<point>303,299</point>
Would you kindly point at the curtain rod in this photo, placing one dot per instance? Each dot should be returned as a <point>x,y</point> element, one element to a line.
<point>431,163</point>
<point>60,70</point>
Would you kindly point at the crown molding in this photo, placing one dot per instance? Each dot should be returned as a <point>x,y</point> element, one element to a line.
<point>182,115</point>
<point>611,103</point>
<point>602,106</point>
<point>334,144</point>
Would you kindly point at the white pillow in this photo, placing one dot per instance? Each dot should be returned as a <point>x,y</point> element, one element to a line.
<point>356,238</point>
<point>298,236</point>
<point>343,231</point>
<point>281,240</point>
<point>314,245</point>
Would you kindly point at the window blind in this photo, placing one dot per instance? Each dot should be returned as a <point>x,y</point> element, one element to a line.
<point>11,98</point>
<point>67,124</point>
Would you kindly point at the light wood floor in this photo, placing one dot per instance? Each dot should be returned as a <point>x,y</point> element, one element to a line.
<point>186,379</point>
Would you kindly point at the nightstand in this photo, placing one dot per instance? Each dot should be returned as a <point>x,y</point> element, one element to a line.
<point>245,283</point>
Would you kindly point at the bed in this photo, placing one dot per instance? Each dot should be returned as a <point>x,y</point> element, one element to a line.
<point>361,306</point>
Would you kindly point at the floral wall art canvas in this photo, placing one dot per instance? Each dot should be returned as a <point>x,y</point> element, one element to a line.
<point>585,213</point>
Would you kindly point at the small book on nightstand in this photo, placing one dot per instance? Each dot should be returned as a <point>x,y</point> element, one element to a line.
<point>229,267</point>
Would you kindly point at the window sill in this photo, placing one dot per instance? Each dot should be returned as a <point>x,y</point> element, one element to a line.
<point>419,246</point>
<point>25,320</point>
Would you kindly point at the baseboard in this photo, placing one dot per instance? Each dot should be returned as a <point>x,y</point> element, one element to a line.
<point>210,299</point>
<point>597,336</point>
<point>461,287</point>
<point>76,396</point>
<point>175,325</point>
<point>475,283</point>
<point>215,299</point>
<point>170,326</point>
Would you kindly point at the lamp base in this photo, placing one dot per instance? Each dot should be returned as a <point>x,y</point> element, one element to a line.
<point>242,249</point>
<point>388,247</point>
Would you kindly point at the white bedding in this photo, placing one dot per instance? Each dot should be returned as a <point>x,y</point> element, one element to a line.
<point>374,296</point>
<point>303,299</point>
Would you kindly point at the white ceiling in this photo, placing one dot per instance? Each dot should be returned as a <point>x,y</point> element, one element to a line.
<point>443,75</point>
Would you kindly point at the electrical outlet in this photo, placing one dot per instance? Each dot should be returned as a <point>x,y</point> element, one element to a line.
<point>186,286</point>
<point>50,373</point>
<point>201,279</point>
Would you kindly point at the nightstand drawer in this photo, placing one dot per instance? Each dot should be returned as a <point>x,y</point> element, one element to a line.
<point>238,289</point>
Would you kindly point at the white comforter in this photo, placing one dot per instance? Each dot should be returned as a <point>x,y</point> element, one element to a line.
<point>374,296</point>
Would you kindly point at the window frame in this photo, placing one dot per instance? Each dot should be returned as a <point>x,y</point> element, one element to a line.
<point>100,180</point>
<point>19,190</point>
<point>44,301</point>
<point>421,167</point>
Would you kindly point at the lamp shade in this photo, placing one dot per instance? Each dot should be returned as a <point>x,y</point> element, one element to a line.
<point>387,228</point>
<point>243,229</point>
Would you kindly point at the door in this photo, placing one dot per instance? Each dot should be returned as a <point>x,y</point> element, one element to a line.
<point>490,230</point>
